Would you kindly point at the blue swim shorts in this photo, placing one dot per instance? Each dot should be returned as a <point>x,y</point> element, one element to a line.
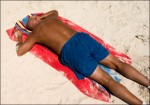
<point>82,54</point>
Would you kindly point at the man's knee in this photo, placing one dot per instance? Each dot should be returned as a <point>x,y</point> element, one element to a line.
<point>107,82</point>
<point>101,77</point>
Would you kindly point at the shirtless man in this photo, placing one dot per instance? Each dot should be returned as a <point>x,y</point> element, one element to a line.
<point>79,52</point>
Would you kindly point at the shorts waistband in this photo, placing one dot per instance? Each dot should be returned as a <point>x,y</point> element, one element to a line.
<point>75,35</point>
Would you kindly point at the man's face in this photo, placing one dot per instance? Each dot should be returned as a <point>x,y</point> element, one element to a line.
<point>32,22</point>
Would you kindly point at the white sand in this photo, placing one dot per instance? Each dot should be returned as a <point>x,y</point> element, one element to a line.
<point>28,80</point>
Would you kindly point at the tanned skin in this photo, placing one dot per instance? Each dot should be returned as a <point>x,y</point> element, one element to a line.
<point>48,30</point>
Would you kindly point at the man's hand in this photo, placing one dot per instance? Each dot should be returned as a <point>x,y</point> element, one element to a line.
<point>18,33</point>
<point>23,47</point>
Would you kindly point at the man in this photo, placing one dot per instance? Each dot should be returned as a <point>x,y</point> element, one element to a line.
<point>79,52</point>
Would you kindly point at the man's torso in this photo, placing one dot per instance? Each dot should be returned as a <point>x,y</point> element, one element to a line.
<point>53,33</point>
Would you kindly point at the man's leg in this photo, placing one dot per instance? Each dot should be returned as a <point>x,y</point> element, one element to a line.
<point>125,69</point>
<point>114,87</point>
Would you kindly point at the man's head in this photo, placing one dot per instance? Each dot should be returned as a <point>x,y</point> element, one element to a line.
<point>32,22</point>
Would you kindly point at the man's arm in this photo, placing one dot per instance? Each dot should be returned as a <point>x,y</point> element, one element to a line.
<point>53,12</point>
<point>24,47</point>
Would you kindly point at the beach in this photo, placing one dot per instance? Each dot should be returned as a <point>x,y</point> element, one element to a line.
<point>28,80</point>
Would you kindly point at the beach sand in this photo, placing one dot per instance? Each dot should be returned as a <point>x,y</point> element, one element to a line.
<point>28,80</point>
